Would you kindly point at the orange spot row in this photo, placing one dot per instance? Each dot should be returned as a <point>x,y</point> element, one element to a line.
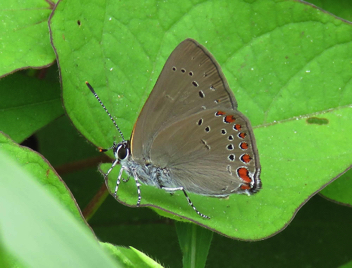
<point>220,113</point>
<point>244,174</point>
<point>242,135</point>
<point>229,119</point>
<point>244,145</point>
<point>237,127</point>
<point>246,158</point>
<point>245,187</point>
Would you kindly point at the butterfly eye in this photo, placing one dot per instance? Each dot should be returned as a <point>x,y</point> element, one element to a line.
<point>122,152</point>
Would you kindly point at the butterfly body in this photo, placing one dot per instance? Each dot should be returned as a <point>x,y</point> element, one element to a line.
<point>146,172</point>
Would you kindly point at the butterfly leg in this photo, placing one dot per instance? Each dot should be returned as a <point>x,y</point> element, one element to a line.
<point>112,166</point>
<point>118,181</point>
<point>188,199</point>
<point>118,178</point>
<point>135,176</point>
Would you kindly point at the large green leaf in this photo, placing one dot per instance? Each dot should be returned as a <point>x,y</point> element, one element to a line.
<point>36,229</point>
<point>287,62</point>
<point>38,167</point>
<point>24,35</point>
<point>28,103</point>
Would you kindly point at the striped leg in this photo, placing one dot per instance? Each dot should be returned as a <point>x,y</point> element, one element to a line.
<point>118,180</point>
<point>112,166</point>
<point>138,187</point>
<point>188,199</point>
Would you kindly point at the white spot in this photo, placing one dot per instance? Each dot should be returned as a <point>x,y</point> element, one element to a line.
<point>230,171</point>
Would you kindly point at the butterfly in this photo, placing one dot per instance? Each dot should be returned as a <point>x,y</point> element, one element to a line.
<point>189,135</point>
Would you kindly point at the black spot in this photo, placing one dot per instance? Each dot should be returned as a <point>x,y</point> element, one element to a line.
<point>231,157</point>
<point>230,138</point>
<point>200,122</point>
<point>230,147</point>
<point>183,70</point>
<point>212,88</point>
<point>79,23</point>
<point>174,69</point>
<point>190,73</point>
<point>223,131</point>
<point>195,83</point>
<point>207,129</point>
<point>201,94</point>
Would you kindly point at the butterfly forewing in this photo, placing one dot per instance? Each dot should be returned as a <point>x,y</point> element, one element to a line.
<point>191,81</point>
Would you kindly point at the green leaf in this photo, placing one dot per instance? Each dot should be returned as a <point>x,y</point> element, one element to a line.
<point>346,265</point>
<point>195,243</point>
<point>24,35</point>
<point>286,61</point>
<point>37,166</point>
<point>37,229</point>
<point>144,259</point>
<point>27,104</point>
<point>340,190</point>
<point>131,257</point>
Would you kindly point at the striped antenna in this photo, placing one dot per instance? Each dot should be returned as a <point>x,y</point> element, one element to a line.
<point>106,110</point>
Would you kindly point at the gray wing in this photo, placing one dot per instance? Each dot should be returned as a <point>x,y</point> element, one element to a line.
<point>212,152</point>
<point>190,82</point>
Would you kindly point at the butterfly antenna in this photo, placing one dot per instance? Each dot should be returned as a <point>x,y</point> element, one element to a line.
<point>106,110</point>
